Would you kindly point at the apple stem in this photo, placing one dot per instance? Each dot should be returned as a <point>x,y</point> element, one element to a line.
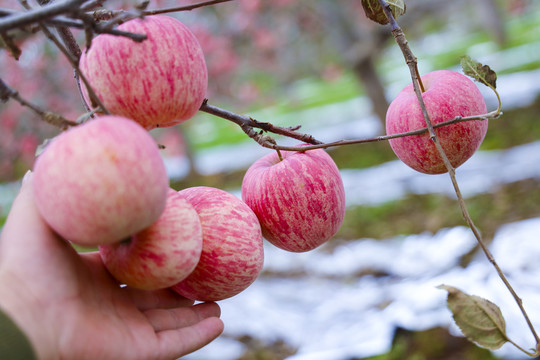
<point>499,106</point>
<point>411,61</point>
<point>419,78</point>
<point>279,155</point>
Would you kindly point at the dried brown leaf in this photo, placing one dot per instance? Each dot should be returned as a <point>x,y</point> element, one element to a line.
<point>479,72</point>
<point>480,320</point>
<point>375,11</point>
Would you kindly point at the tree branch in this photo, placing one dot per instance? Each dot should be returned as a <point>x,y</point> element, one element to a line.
<point>110,14</point>
<point>184,8</point>
<point>39,15</point>
<point>79,24</point>
<point>412,63</point>
<point>247,124</point>
<point>7,92</point>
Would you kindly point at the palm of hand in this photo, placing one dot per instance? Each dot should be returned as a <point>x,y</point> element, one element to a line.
<point>70,307</point>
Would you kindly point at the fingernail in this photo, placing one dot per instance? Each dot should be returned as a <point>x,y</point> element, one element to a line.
<point>26,176</point>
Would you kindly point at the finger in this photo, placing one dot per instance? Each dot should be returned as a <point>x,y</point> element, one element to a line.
<point>170,319</point>
<point>24,217</point>
<point>157,299</point>
<point>176,343</point>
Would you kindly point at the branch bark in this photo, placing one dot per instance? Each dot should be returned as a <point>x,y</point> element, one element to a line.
<point>248,124</point>
<point>411,61</point>
<point>39,15</point>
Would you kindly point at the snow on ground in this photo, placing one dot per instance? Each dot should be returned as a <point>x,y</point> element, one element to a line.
<point>482,173</point>
<point>329,313</point>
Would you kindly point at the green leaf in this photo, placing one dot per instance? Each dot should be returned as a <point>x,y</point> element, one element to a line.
<point>480,320</point>
<point>375,11</point>
<point>479,72</point>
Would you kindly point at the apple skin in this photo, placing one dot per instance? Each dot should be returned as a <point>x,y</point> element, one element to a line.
<point>101,182</point>
<point>232,255</point>
<point>447,94</point>
<point>159,82</point>
<point>299,201</point>
<point>161,255</point>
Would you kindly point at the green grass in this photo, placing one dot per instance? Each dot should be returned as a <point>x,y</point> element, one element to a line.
<point>514,127</point>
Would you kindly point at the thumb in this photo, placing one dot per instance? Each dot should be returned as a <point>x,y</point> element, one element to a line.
<point>24,224</point>
<point>24,213</point>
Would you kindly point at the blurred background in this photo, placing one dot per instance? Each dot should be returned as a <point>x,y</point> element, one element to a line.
<point>369,293</point>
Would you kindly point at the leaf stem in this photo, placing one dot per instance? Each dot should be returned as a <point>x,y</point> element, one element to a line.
<point>419,78</point>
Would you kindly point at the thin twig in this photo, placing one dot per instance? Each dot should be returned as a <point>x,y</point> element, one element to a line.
<point>79,24</point>
<point>73,60</point>
<point>7,92</point>
<point>411,60</point>
<point>247,123</point>
<point>126,15</point>
<point>74,63</point>
<point>184,8</point>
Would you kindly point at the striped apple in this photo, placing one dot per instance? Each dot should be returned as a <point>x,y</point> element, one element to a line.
<point>159,82</point>
<point>232,254</point>
<point>300,200</point>
<point>101,181</point>
<point>447,94</point>
<point>161,255</point>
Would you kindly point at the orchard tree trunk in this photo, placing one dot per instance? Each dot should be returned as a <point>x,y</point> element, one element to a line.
<point>490,15</point>
<point>360,42</point>
<point>367,73</point>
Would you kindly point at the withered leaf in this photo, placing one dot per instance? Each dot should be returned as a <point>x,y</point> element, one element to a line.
<point>375,12</point>
<point>479,72</point>
<point>480,320</point>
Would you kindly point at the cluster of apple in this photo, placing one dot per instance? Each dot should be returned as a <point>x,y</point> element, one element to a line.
<point>104,184</point>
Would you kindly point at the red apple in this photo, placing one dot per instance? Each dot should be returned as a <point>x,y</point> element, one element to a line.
<point>232,255</point>
<point>161,255</point>
<point>159,82</point>
<point>300,201</point>
<point>447,94</point>
<point>101,182</point>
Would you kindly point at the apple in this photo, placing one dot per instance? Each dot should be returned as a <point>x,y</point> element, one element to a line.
<point>447,94</point>
<point>159,82</point>
<point>101,182</point>
<point>161,255</point>
<point>232,254</point>
<point>299,201</point>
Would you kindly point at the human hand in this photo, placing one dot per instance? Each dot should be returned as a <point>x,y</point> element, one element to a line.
<point>71,308</point>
